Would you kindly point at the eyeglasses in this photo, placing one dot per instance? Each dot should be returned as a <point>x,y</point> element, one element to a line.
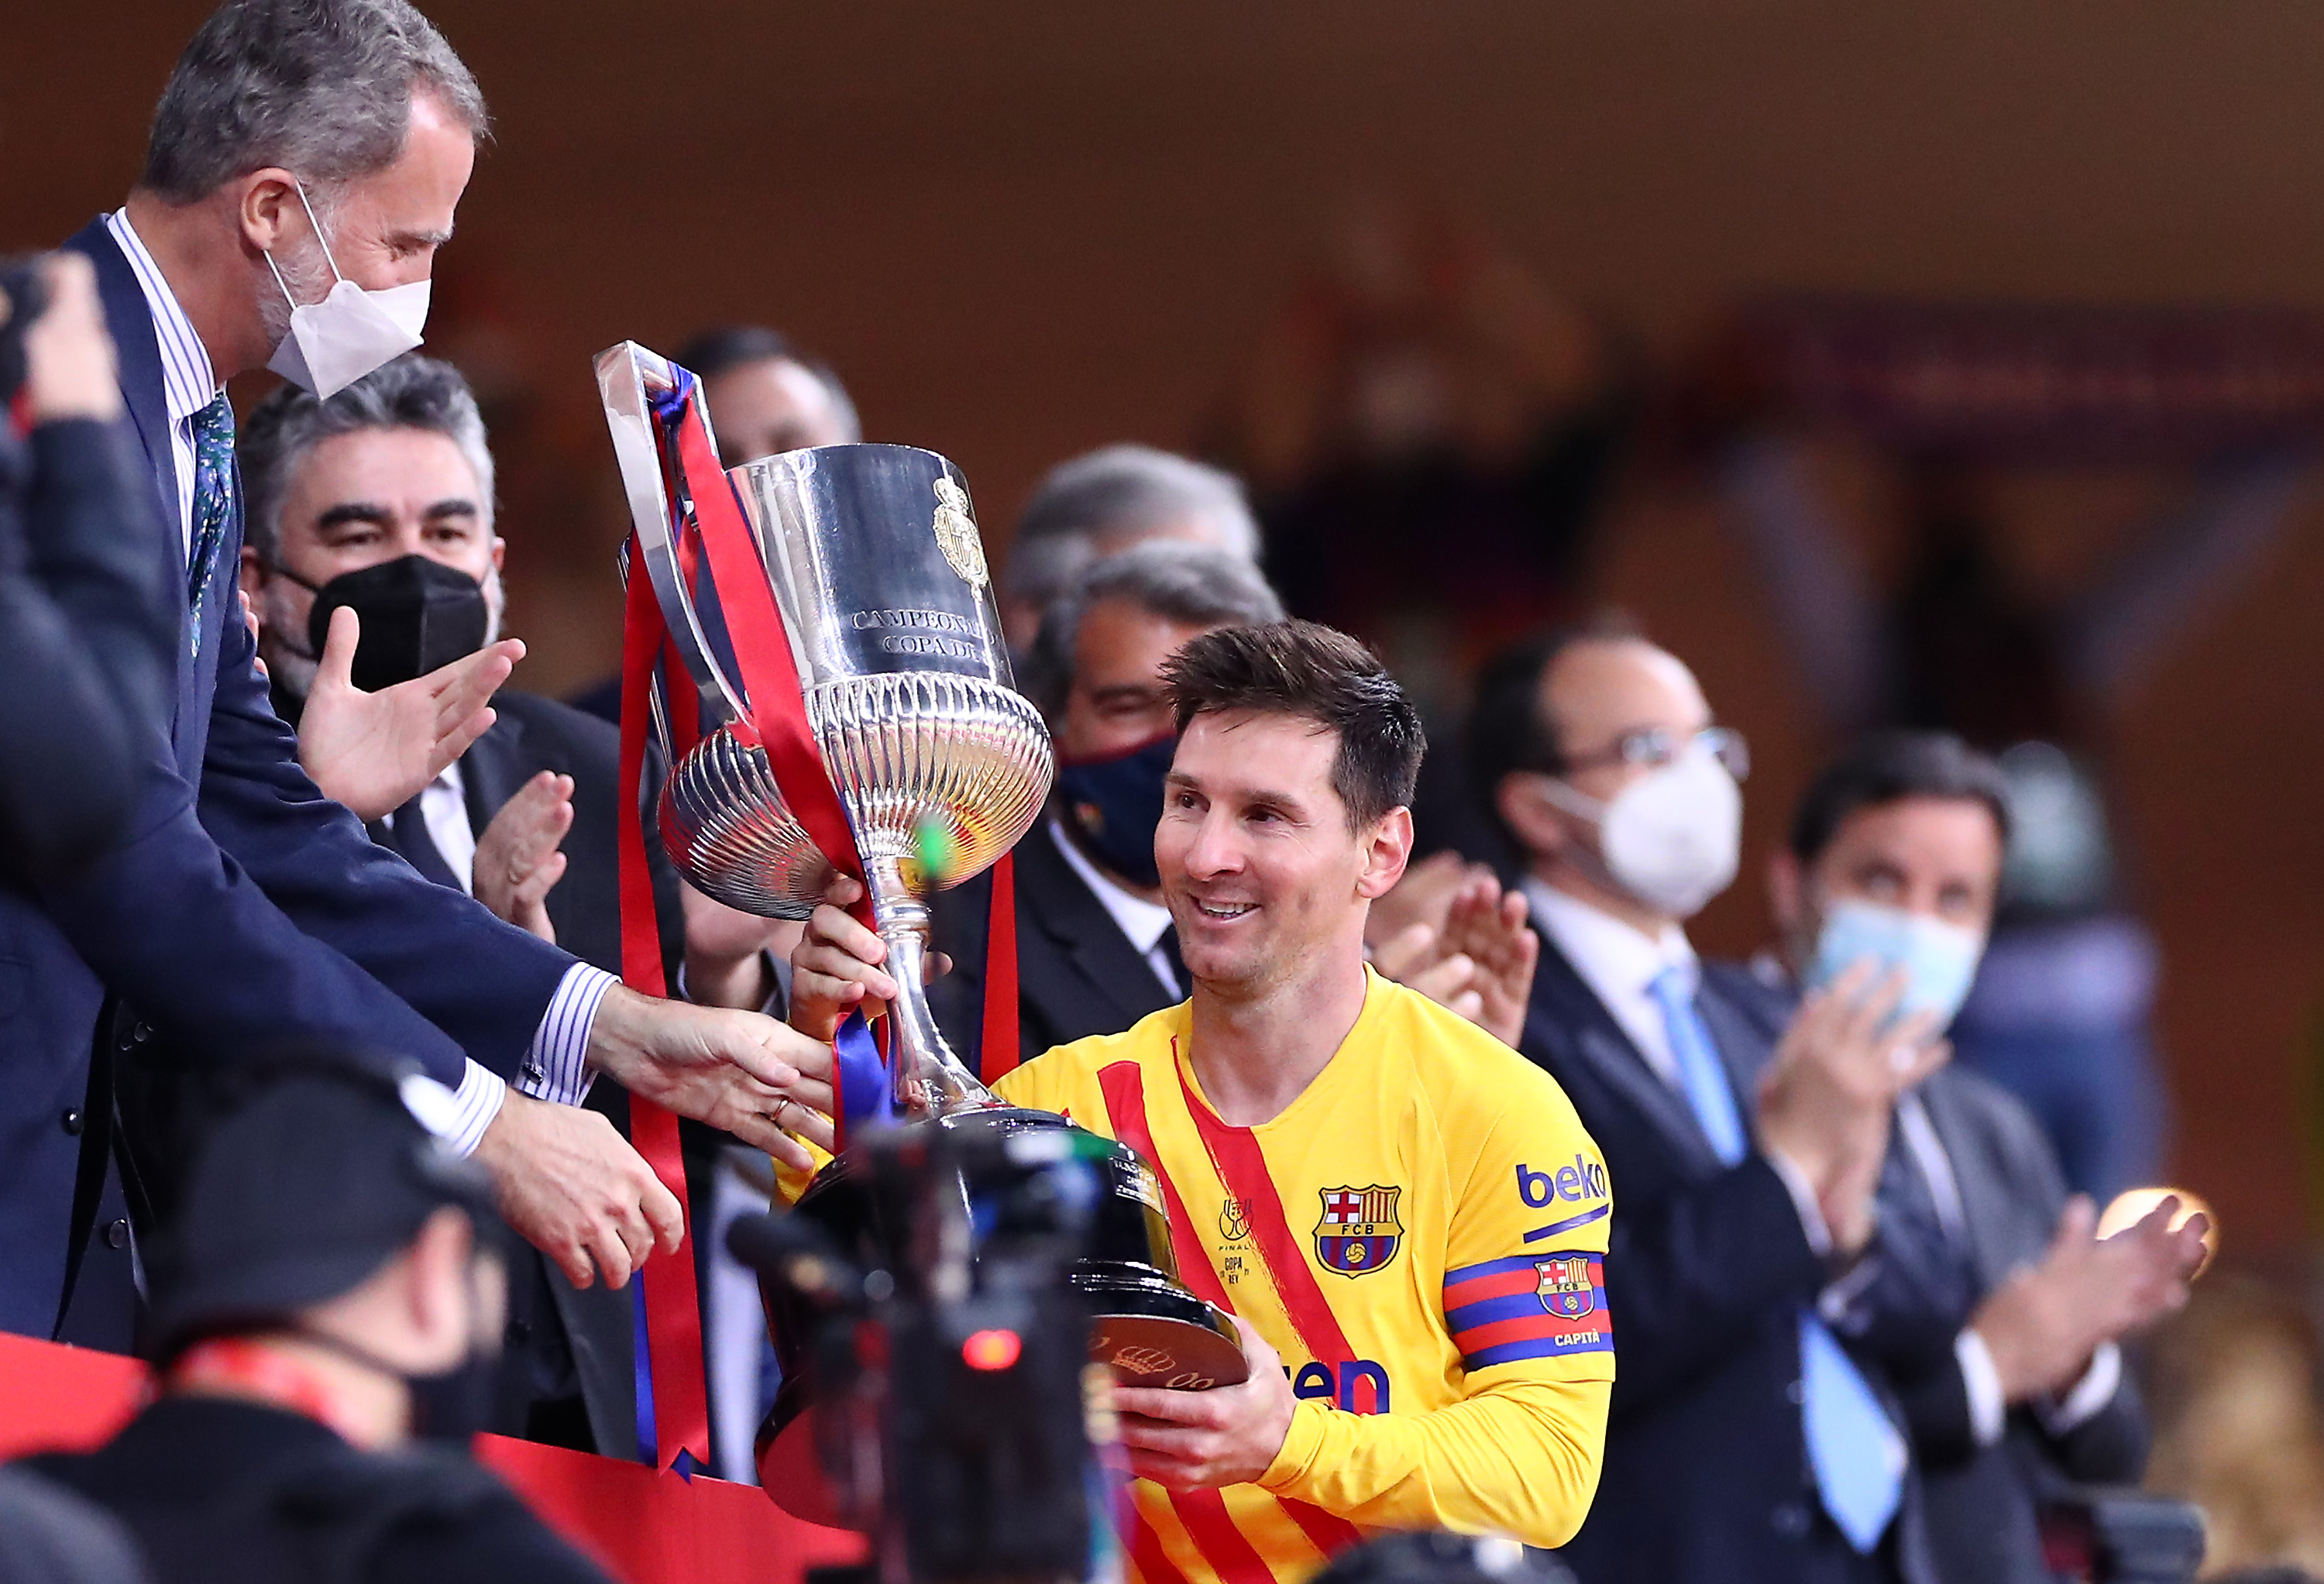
<point>1652,748</point>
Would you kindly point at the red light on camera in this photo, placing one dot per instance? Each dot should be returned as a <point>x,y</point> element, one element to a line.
<point>991,1350</point>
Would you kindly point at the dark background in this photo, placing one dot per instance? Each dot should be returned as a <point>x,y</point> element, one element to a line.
<point>1022,230</point>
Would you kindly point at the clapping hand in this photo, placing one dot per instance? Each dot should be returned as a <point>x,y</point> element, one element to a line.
<point>1450,931</point>
<point>517,862</point>
<point>375,752</point>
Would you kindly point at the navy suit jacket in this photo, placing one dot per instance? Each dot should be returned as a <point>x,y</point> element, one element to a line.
<point>1706,1477</point>
<point>241,910</point>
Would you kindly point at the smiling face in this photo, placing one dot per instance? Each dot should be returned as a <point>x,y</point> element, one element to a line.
<point>1117,701</point>
<point>354,500</point>
<point>1265,880</point>
<point>772,406</point>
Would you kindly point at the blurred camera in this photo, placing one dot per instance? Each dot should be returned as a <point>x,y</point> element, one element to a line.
<point>2097,1534</point>
<point>947,1355</point>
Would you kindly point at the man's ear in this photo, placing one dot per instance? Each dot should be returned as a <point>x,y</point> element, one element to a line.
<point>253,573</point>
<point>499,552</point>
<point>268,210</point>
<point>1386,854</point>
<point>1531,816</point>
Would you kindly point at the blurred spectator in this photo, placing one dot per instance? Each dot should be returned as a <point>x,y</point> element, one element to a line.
<point>766,396</point>
<point>87,623</point>
<point>1102,502</point>
<point>1746,1444</point>
<point>1423,389</point>
<point>1993,1309</point>
<point>2063,1009</point>
<point>2237,1429</point>
<point>325,1310</point>
<point>1096,950</point>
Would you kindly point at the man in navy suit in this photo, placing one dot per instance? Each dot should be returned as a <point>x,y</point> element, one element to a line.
<point>1997,1311</point>
<point>305,164</point>
<point>1747,1443</point>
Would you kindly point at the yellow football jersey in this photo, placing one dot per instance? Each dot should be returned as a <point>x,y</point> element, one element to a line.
<point>1421,1235</point>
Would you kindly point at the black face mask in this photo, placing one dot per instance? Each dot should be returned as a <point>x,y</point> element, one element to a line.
<point>453,1406</point>
<point>1115,803</point>
<point>417,615</point>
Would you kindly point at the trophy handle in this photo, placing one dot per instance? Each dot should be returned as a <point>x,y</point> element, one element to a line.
<point>628,376</point>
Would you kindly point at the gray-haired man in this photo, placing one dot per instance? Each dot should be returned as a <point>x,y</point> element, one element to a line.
<point>1105,501</point>
<point>306,161</point>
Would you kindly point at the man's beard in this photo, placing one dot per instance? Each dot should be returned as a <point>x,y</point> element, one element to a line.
<point>306,274</point>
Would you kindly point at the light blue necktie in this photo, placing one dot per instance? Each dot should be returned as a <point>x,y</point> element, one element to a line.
<point>213,504</point>
<point>1854,1447</point>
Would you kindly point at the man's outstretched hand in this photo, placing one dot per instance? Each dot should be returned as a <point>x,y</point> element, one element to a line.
<point>375,752</point>
<point>571,1187</point>
<point>767,1085</point>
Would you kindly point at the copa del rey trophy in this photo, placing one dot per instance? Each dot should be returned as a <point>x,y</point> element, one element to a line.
<point>878,573</point>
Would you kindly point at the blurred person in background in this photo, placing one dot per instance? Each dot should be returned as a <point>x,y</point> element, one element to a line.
<point>1102,502</point>
<point>305,164</point>
<point>1749,1443</point>
<point>1995,1310</point>
<point>325,1310</point>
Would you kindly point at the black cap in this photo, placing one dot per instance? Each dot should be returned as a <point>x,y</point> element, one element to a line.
<point>301,1193</point>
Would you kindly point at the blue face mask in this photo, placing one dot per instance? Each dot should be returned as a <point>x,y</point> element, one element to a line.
<point>1939,959</point>
<point>1115,803</point>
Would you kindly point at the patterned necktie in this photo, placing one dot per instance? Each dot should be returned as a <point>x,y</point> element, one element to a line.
<point>1856,1453</point>
<point>214,486</point>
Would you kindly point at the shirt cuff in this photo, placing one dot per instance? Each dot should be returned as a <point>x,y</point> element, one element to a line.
<point>1981,1381</point>
<point>2093,1392</point>
<point>475,1103</point>
<point>1803,1199</point>
<point>557,1067</point>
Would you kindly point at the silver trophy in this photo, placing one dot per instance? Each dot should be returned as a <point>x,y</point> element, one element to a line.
<point>940,764</point>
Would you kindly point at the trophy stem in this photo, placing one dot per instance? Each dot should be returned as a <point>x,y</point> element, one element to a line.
<point>929,1080</point>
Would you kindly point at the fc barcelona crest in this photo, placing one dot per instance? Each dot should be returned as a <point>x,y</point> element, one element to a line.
<point>1360,1231</point>
<point>1565,1288</point>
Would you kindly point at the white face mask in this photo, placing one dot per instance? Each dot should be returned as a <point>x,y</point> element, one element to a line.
<point>335,342</point>
<point>1672,838</point>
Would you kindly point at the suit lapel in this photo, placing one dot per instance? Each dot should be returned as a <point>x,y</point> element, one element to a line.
<point>1054,899</point>
<point>1568,1011</point>
<point>1986,1205</point>
<point>493,770</point>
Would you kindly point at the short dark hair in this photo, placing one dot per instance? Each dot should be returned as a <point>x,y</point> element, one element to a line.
<point>1507,729</point>
<point>723,348</point>
<point>1308,671</point>
<point>1889,766</point>
<point>320,88</point>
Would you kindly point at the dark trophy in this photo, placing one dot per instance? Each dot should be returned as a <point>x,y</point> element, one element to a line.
<point>877,570</point>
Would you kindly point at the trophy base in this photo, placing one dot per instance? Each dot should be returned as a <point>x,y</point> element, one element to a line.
<point>1153,1334</point>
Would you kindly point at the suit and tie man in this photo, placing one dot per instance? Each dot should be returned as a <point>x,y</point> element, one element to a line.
<point>1747,1443</point>
<point>305,164</point>
<point>2000,1331</point>
<point>1408,1218</point>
